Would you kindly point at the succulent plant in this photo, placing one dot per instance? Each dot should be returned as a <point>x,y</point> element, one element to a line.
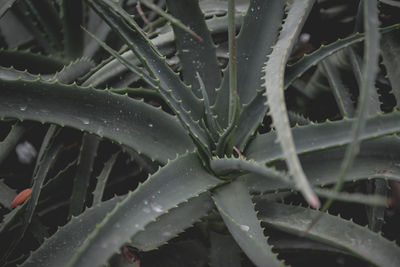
<point>176,151</point>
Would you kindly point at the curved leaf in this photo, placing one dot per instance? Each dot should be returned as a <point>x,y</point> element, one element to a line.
<point>237,210</point>
<point>297,69</point>
<point>11,140</point>
<point>195,56</point>
<point>175,183</point>
<point>274,82</point>
<point>332,230</point>
<point>377,159</point>
<point>321,136</point>
<point>127,121</point>
<point>258,34</point>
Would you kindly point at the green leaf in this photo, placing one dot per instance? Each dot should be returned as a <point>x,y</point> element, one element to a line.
<point>28,60</point>
<point>5,5</point>
<point>133,123</point>
<point>377,159</point>
<point>7,194</point>
<point>257,36</point>
<point>173,223</point>
<point>10,141</point>
<point>102,179</point>
<point>226,166</point>
<point>365,199</point>
<point>87,155</point>
<point>73,71</point>
<point>170,85</point>
<point>60,248</point>
<point>340,92</point>
<point>46,158</point>
<point>301,66</point>
<point>321,136</point>
<point>182,101</point>
<point>237,210</point>
<point>173,184</point>
<point>373,99</point>
<point>274,84</point>
<point>164,42</point>
<point>250,118</point>
<point>332,230</point>
<point>195,56</point>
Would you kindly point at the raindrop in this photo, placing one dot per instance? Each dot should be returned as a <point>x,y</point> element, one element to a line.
<point>244,227</point>
<point>22,108</point>
<point>156,207</point>
<point>150,125</point>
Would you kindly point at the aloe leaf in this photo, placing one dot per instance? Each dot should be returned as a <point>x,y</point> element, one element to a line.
<point>261,25</point>
<point>5,5</point>
<point>72,18</point>
<point>370,70</point>
<point>195,56</point>
<point>228,165</point>
<point>224,251</point>
<point>170,85</point>
<point>333,230</point>
<point>373,100</point>
<point>237,210</point>
<point>99,28</point>
<point>390,46</point>
<point>321,136</point>
<point>129,65</point>
<point>61,247</point>
<point>87,155</point>
<point>33,62</point>
<point>273,82</point>
<point>376,215</point>
<point>249,120</point>
<point>173,184</point>
<point>172,19</point>
<point>365,199</point>
<point>63,244</point>
<point>10,141</point>
<point>164,42</point>
<point>124,120</point>
<point>301,66</point>
<point>6,194</point>
<point>73,71</point>
<point>59,180</point>
<point>102,179</point>
<point>377,159</point>
<point>341,93</point>
<point>28,19</point>
<point>46,159</point>
<point>190,122</point>
<point>11,219</point>
<point>172,223</point>
<point>13,74</point>
<point>47,19</point>
<point>209,118</point>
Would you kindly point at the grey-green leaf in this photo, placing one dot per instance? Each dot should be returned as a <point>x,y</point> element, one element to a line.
<point>237,210</point>
<point>133,123</point>
<point>175,183</point>
<point>333,230</point>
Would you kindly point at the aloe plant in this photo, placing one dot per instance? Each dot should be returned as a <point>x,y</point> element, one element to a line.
<point>157,147</point>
